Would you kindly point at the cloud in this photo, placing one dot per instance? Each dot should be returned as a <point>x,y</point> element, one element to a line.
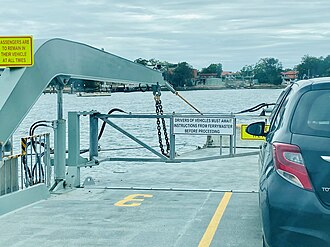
<point>189,16</point>
<point>234,33</point>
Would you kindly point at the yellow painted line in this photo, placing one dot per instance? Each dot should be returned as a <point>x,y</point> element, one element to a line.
<point>214,223</point>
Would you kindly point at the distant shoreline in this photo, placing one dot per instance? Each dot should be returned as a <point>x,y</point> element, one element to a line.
<point>209,87</point>
<point>68,90</point>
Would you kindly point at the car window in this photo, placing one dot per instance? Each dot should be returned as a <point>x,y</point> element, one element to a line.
<point>276,117</point>
<point>312,115</point>
<point>278,101</point>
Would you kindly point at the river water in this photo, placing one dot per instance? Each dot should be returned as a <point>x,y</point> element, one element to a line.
<point>207,101</point>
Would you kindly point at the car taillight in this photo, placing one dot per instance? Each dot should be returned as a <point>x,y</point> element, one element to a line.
<point>290,165</point>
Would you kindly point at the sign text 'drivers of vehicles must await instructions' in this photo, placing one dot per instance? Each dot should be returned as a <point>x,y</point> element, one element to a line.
<point>204,125</point>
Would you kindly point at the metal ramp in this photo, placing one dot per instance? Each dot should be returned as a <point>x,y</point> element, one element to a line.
<point>60,60</point>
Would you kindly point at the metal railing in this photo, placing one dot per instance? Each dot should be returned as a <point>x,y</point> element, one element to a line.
<point>9,174</point>
<point>74,136</point>
<point>174,132</point>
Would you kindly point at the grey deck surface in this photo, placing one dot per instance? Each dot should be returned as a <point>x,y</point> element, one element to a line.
<point>175,211</point>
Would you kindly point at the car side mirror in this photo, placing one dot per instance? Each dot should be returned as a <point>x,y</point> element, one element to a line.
<point>256,129</point>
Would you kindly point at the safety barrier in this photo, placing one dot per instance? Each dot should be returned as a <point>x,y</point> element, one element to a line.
<point>178,124</point>
<point>9,174</point>
<point>31,167</point>
<point>169,127</point>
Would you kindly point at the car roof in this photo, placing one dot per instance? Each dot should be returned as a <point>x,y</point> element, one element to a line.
<point>315,83</point>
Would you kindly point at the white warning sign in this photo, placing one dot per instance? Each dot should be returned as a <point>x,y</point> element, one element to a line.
<point>204,125</point>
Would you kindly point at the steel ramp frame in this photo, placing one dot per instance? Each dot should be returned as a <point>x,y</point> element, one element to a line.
<point>59,60</point>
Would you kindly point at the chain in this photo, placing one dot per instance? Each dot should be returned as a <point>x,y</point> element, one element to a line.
<point>164,128</point>
<point>158,130</point>
<point>159,111</point>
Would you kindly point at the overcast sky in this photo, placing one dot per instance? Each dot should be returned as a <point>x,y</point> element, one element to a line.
<point>232,32</point>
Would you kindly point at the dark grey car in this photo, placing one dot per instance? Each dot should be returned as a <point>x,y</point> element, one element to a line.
<point>295,167</point>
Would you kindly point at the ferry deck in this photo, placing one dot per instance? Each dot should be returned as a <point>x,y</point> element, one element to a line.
<point>212,202</point>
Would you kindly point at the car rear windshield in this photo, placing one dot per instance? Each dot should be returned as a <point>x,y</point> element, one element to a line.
<point>312,115</point>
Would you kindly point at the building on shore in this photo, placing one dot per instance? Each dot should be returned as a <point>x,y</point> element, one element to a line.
<point>289,77</point>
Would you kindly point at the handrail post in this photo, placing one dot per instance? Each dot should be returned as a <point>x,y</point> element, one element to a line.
<point>59,136</point>
<point>59,150</point>
<point>235,135</point>
<point>0,151</point>
<point>73,138</point>
<point>172,139</point>
<point>47,160</point>
<point>93,136</point>
<point>74,148</point>
<point>232,140</point>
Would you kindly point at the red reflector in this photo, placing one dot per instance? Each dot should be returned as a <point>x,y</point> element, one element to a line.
<point>290,164</point>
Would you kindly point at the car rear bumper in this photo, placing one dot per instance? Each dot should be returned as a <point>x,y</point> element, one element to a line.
<point>292,216</point>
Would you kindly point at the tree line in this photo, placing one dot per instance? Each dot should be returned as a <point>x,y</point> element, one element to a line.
<point>266,70</point>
